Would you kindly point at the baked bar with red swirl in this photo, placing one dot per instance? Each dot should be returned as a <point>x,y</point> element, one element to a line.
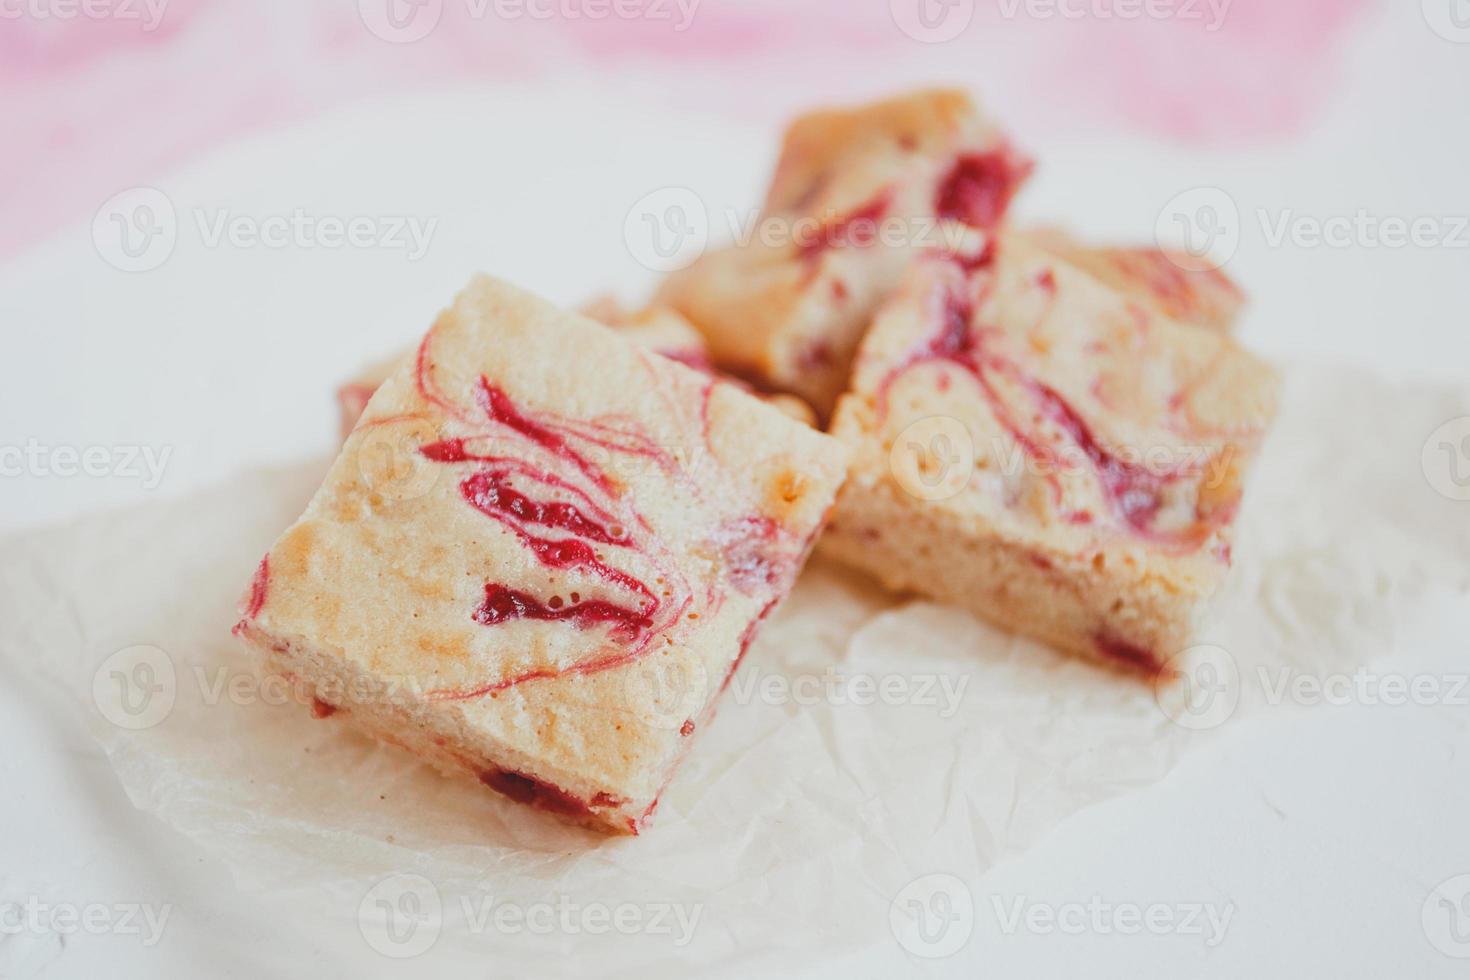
<point>1048,452</point>
<point>856,195</point>
<point>541,554</point>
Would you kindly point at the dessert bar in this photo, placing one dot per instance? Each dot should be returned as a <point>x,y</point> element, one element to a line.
<point>540,555</point>
<point>1042,449</point>
<point>856,194</point>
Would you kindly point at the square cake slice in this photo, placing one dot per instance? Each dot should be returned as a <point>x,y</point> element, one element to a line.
<point>1035,446</point>
<point>856,194</point>
<point>540,555</point>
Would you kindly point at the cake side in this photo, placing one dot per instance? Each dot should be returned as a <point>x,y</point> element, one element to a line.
<point>1121,616</point>
<point>540,570</point>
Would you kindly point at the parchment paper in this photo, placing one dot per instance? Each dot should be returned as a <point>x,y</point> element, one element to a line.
<point>801,815</point>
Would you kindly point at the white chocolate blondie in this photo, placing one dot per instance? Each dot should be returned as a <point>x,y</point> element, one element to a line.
<point>1038,447</point>
<point>541,554</point>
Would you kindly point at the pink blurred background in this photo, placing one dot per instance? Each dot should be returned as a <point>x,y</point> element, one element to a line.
<point>93,103</point>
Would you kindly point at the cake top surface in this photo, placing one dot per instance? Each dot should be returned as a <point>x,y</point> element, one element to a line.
<point>1169,281</point>
<point>1087,418</point>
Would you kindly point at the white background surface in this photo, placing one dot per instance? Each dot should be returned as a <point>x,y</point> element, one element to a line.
<point>1327,832</point>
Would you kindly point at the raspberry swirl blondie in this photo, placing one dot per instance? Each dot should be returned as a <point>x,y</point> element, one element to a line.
<point>856,194</point>
<point>1048,452</point>
<point>540,569</point>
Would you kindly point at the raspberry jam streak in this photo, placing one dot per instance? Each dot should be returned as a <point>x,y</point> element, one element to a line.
<point>503,604</point>
<point>1127,653</point>
<point>259,586</point>
<point>1134,491</point>
<point>251,604</point>
<point>545,796</point>
<point>568,512</point>
<point>758,554</point>
<point>856,229</point>
<point>978,189</point>
<point>490,492</point>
